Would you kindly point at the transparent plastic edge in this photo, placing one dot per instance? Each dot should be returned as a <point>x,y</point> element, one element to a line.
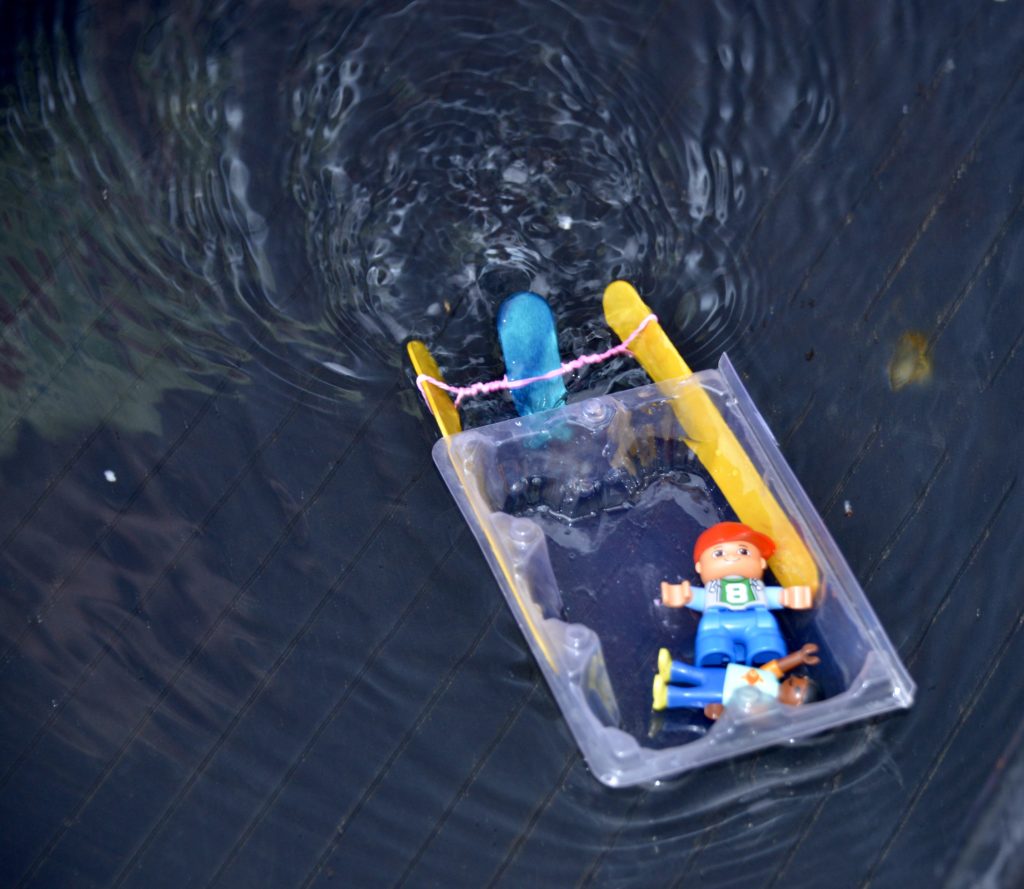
<point>560,649</point>
<point>618,759</point>
<point>821,541</point>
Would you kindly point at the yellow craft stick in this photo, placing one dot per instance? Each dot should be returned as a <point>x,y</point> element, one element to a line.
<point>624,311</point>
<point>711,438</point>
<point>447,417</point>
<point>441,405</point>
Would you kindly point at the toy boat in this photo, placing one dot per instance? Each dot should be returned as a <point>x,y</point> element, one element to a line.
<point>583,508</point>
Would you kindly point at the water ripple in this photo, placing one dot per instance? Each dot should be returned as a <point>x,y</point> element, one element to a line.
<point>387,174</point>
<point>289,193</point>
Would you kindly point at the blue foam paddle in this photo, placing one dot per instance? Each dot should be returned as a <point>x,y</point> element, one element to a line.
<point>529,343</point>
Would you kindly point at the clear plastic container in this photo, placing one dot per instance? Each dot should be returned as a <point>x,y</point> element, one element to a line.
<point>582,512</point>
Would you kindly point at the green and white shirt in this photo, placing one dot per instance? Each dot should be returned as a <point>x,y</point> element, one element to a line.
<point>735,594</point>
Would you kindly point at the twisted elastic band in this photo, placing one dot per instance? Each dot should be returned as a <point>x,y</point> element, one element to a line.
<point>505,383</point>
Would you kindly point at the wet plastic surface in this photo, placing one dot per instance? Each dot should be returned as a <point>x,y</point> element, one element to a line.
<point>248,639</point>
<point>581,511</point>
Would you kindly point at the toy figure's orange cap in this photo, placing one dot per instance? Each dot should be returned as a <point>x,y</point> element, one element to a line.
<point>726,532</point>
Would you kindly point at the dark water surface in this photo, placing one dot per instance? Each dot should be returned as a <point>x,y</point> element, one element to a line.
<point>246,637</point>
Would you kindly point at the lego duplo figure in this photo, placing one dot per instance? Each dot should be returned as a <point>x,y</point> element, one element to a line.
<point>712,688</point>
<point>736,624</point>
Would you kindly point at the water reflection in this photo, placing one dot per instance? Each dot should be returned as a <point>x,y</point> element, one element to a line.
<point>196,196</point>
<point>229,198</point>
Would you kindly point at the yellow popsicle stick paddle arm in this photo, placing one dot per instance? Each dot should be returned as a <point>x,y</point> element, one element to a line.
<point>441,405</point>
<point>624,311</point>
<point>447,417</point>
<point>711,438</point>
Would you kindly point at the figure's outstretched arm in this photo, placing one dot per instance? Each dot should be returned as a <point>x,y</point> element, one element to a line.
<point>676,595</point>
<point>804,655</point>
<point>799,597</point>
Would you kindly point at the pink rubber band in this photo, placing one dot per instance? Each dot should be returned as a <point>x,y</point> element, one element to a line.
<point>505,383</point>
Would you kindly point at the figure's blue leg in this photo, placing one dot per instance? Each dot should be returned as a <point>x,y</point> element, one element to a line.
<point>529,344</point>
<point>695,698</point>
<point>714,643</point>
<point>707,684</point>
<point>764,640</point>
<point>678,671</point>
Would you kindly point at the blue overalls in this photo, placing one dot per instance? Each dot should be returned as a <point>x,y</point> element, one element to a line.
<point>736,626</point>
